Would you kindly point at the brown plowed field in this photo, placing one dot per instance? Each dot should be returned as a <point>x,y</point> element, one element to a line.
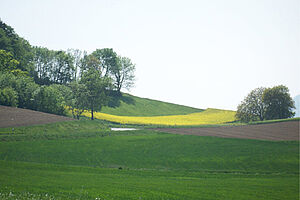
<point>273,131</point>
<point>12,117</point>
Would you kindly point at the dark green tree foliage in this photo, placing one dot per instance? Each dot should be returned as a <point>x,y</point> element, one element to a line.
<point>266,104</point>
<point>52,66</point>
<point>19,48</point>
<point>42,60</point>
<point>252,108</point>
<point>279,104</point>
<point>97,88</point>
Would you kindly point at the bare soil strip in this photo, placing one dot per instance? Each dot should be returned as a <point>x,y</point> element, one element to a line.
<point>279,131</point>
<point>13,117</point>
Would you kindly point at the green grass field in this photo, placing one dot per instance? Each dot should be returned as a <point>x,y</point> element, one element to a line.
<point>130,105</point>
<point>69,161</point>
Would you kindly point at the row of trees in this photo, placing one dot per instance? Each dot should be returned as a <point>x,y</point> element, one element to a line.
<point>266,104</point>
<point>63,67</point>
<point>49,81</point>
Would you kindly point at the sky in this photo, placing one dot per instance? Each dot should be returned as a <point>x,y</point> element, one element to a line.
<point>198,53</point>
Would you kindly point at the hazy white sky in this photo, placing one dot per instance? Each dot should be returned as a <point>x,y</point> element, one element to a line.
<point>203,54</point>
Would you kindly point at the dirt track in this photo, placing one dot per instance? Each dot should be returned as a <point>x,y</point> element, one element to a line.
<point>13,117</point>
<point>273,131</point>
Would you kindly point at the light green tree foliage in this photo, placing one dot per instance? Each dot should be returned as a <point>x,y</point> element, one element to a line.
<point>252,108</point>
<point>77,100</point>
<point>49,99</point>
<point>77,57</point>
<point>107,59</point>
<point>278,102</point>
<point>7,63</point>
<point>119,69</point>
<point>123,73</point>
<point>24,87</point>
<point>97,89</point>
<point>8,97</point>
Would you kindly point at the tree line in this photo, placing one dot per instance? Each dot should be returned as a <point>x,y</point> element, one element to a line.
<point>53,81</point>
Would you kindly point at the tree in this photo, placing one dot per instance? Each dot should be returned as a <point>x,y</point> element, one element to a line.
<point>107,59</point>
<point>43,59</point>
<point>97,88</point>
<point>77,100</point>
<point>123,73</point>
<point>77,56</point>
<point>52,66</point>
<point>19,48</point>
<point>8,97</point>
<point>252,108</point>
<point>7,63</point>
<point>278,102</point>
<point>49,99</point>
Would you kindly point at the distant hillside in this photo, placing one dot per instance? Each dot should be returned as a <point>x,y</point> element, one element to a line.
<point>129,105</point>
<point>297,104</point>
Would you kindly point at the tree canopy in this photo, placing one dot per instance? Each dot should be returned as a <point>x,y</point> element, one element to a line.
<point>279,104</point>
<point>266,104</point>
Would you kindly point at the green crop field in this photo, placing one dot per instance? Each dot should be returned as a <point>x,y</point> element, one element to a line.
<point>63,161</point>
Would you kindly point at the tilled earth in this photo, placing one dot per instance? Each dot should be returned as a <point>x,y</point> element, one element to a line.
<point>13,117</point>
<point>273,131</point>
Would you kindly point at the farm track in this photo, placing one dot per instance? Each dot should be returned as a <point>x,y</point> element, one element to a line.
<point>13,117</point>
<point>279,131</point>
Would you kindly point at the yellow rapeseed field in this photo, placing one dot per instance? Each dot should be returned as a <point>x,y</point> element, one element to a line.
<point>209,116</point>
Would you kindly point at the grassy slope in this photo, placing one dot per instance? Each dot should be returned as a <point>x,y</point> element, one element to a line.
<point>136,106</point>
<point>154,165</point>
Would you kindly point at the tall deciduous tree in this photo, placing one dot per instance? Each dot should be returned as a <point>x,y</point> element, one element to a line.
<point>52,66</point>
<point>123,73</point>
<point>252,108</point>
<point>77,100</point>
<point>107,59</point>
<point>97,88</point>
<point>77,57</point>
<point>279,104</point>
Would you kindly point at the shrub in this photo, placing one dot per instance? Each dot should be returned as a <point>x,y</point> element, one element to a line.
<point>8,97</point>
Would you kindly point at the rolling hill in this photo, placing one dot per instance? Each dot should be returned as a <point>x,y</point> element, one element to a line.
<point>129,105</point>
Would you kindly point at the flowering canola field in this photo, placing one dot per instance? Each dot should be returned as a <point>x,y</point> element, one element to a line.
<point>209,116</point>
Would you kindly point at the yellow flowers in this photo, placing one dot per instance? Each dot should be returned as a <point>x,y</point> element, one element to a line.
<point>209,116</point>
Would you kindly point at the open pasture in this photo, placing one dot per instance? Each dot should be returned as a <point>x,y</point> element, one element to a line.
<point>143,164</point>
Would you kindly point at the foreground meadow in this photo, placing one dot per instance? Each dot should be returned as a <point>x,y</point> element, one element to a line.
<point>142,164</point>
